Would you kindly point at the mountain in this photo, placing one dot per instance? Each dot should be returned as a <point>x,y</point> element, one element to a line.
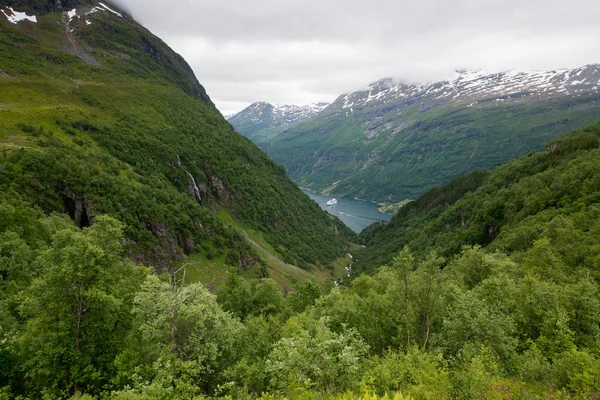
<point>261,122</point>
<point>112,152</point>
<point>553,193</point>
<point>99,116</point>
<point>394,140</point>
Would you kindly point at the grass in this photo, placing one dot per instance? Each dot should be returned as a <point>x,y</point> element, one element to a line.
<point>207,271</point>
<point>284,274</point>
<point>392,208</point>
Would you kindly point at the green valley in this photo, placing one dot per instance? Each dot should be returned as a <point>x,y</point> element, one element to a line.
<point>394,140</point>
<point>149,251</point>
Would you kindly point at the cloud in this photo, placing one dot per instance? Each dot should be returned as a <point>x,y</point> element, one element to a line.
<point>292,51</point>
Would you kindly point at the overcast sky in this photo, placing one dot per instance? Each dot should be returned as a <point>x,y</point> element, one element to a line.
<point>306,51</point>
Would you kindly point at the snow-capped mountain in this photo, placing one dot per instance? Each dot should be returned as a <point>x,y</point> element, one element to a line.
<point>261,121</point>
<point>476,86</point>
<point>290,114</point>
<point>393,140</point>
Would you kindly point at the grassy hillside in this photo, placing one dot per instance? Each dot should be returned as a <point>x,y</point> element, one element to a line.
<point>552,193</point>
<point>103,118</point>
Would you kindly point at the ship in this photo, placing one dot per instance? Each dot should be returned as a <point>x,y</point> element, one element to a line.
<point>332,202</point>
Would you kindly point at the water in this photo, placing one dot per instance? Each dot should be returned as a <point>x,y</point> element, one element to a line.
<point>357,214</point>
<point>196,190</point>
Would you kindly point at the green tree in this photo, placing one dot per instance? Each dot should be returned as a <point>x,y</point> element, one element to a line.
<point>257,339</point>
<point>471,322</point>
<point>267,298</point>
<point>235,296</point>
<point>185,340</point>
<point>77,312</point>
<point>404,263</point>
<point>315,356</point>
<point>422,374</point>
<point>426,290</point>
<point>303,296</point>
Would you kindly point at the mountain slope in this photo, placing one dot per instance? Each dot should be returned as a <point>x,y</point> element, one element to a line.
<point>554,193</point>
<point>261,122</point>
<point>99,116</point>
<point>392,141</point>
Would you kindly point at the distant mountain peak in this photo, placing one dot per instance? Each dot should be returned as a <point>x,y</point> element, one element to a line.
<point>262,118</point>
<point>475,85</point>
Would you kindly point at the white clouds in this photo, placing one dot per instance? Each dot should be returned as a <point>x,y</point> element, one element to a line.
<point>292,51</point>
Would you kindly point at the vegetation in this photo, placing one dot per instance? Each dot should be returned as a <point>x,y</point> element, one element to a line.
<point>392,208</point>
<point>486,288</point>
<point>396,150</point>
<point>119,127</point>
<point>543,194</point>
<point>515,315</point>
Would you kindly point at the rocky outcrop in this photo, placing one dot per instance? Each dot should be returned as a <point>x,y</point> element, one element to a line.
<point>221,191</point>
<point>79,208</point>
<point>48,6</point>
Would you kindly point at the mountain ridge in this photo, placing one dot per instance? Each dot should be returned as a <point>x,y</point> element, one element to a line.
<point>393,141</point>
<point>262,121</point>
<point>476,85</point>
<point>43,7</point>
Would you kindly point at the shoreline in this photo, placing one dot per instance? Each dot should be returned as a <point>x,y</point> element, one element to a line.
<point>389,209</point>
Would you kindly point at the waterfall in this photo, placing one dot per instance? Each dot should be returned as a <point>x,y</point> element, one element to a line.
<point>196,190</point>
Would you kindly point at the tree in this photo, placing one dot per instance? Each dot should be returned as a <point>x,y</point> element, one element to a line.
<point>77,311</point>
<point>404,264</point>
<point>469,321</point>
<point>313,355</point>
<point>235,296</point>
<point>427,284</point>
<point>303,296</point>
<point>185,339</point>
<point>266,298</point>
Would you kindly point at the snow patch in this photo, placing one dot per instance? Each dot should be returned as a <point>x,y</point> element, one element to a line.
<point>15,16</point>
<point>103,7</point>
<point>109,9</point>
<point>72,14</point>
<point>347,102</point>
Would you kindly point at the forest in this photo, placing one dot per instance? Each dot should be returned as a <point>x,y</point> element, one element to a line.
<point>512,315</point>
<point>484,288</point>
<point>127,139</point>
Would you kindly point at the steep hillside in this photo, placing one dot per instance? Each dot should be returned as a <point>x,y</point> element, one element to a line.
<point>261,122</point>
<point>554,193</point>
<point>393,140</point>
<point>99,116</point>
